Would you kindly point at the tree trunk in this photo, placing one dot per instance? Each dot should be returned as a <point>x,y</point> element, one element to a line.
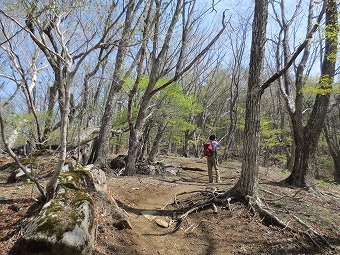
<point>248,183</point>
<point>185,152</point>
<point>306,146</point>
<point>64,105</point>
<point>144,141</point>
<point>52,98</point>
<point>231,132</point>
<point>156,141</point>
<point>301,175</point>
<point>116,85</point>
<point>158,57</point>
<point>336,161</point>
<point>291,156</point>
<point>134,148</point>
<point>333,143</point>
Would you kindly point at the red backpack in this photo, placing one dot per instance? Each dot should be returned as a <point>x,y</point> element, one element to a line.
<point>208,149</point>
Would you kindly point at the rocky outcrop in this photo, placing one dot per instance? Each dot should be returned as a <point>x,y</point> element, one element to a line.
<point>65,225</point>
<point>151,168</point>
<point>154,169</point>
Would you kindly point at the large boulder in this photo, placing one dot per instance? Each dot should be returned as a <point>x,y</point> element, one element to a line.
<point>98,177</point>
<point>63,226</point>
<point>154,169</point>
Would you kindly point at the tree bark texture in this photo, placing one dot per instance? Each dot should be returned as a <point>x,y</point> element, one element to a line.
<point>156,142</point>
<point>64,92</point>
<point>306,143</point>
<point>116,85</point>
<point>248,182</point>
<point>334,150</point>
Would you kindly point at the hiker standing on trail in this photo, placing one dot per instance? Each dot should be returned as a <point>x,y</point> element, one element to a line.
<point>210,150</point>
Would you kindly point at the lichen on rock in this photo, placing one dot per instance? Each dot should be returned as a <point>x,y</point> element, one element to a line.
<point>64,224</point>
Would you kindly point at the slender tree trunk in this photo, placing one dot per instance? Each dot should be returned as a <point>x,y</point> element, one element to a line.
<point>64,105</point>
<point>157,59</point>
<point>238,52</point>
<point>169,148</point>
<point>156,142</point>
<point>52,98</point>
<point>117,83</point>
<point>231,131</point>
<point>185,152</point>
<point>291,156</point>
<point>336,161</point>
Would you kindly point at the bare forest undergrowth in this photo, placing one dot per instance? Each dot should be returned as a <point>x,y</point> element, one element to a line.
<point>153,202</point>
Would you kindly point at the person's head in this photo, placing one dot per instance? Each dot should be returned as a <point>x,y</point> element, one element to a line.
<point>212,137</point>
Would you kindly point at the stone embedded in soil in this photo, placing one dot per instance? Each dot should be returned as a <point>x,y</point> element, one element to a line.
<point>150,215</point>
<point>162,223</point>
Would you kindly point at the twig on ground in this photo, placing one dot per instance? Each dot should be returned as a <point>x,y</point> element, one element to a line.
<point>309,228</point>
<point>196,208</point>
<point>275,220</point>
<point>191,228</point>
<point>282,197</point>
<point>214,208</point>
<point>256,207</point>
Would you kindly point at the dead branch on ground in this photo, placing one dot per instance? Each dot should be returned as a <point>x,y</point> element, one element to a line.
<point>219,197</point>
<point>282,197</point>
<point>274,220</point>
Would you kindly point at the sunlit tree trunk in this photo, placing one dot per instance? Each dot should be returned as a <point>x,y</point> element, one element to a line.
<point>157,60</point>
<point>238,48</point>
<point>64,91</point>
<point>53,41</point>
<point>102,149</point>
<point>248,182</point>
<point>301,175</point>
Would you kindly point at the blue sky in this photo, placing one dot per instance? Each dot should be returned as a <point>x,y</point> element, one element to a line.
<point>234,10</point>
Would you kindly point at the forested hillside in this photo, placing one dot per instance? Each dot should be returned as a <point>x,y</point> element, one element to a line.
<point>138,79</point>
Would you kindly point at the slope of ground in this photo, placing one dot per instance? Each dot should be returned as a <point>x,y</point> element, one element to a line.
<point>147,199</point>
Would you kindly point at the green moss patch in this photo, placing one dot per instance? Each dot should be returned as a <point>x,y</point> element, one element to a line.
<point>78,179</point>
<point>62,214</point>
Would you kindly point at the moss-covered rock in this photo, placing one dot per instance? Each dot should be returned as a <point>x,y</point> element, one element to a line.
<point>78,179</point>
<point>98,177</point>
<point>64,226</point>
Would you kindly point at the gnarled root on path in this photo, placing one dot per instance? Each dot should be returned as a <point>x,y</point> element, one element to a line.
<point>223,198</point>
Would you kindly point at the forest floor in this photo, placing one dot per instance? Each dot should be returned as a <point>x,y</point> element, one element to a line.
<point>150,199</point>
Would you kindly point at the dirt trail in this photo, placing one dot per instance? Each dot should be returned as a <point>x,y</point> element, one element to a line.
<point>227,232</point>
<point>148,199</point>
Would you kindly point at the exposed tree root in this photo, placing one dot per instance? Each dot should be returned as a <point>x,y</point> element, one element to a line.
<point>309,228</point>
<point>268,217</point>
<point>208,199</point>
<point>273,220</point>
<point>282,197</point>
<point>192,168</point>
<point>223,198</point>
